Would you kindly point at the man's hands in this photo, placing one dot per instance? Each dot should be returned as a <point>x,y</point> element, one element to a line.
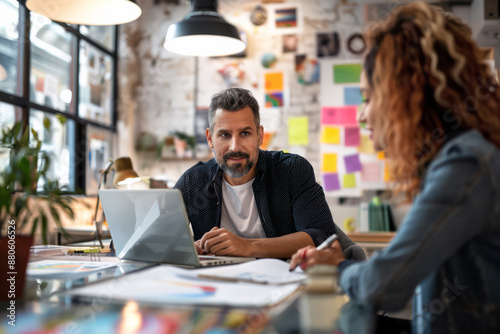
<point>219,241</point>
<point>309,256</point>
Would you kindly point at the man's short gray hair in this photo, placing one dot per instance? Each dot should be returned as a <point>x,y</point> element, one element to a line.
<point>233,99</point>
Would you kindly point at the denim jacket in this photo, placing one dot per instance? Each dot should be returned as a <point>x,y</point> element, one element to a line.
<point>447,251</point>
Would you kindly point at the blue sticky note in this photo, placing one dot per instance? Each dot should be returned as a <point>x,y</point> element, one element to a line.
<point>352,96</point>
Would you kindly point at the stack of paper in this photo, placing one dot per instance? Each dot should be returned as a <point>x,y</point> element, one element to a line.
<point>167,284</point>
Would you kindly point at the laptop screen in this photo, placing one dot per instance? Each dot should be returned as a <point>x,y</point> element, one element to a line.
<point>149,225</point>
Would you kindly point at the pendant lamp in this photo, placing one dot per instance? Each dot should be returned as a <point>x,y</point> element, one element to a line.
<point>203,32</point>
<point>87,12</point>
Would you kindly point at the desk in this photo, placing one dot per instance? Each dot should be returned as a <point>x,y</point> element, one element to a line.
<point>45,306</point>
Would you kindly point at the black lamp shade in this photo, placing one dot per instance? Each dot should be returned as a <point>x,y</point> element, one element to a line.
<point>203,33</point>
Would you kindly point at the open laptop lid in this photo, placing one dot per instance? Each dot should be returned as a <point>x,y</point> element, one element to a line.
<point>149,225</point>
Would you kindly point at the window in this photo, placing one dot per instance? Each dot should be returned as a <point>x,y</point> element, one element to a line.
<point>63,85</point>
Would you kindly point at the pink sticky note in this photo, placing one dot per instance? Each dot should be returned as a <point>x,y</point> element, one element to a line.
<point>351,136</point>
<point>339,115</point>
<point>352,163</point>
<point>371,171</point>
<point>331,182</point>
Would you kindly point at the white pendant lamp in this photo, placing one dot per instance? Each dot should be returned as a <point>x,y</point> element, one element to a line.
<point>203,32</point>
<point>87,12</point>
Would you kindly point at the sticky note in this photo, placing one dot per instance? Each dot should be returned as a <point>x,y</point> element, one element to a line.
<point>349,181</point>
<point>352,137</point>
<point>298,131</point>
<point>366,145</point>
<point>274,99</point>
<point>331,182</point>
<point>352,96</point>
<point>330,135</point>
<point>273,81</point>
<point>329,163</point>
<point>352,163</point>
<point>370,171</point>
<point>387,173</point>
<point>339,115</point>
<point>381,155</point>
<point>346,73</point>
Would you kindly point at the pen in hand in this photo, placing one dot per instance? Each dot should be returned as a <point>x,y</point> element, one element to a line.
<point>325,244</point>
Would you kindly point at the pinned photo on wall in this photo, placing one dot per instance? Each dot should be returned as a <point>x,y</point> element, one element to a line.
<point>307,70</point>
<point>273,81</point>
<point>327,44</point>
<point>284,19</point>
<point>290,42</point>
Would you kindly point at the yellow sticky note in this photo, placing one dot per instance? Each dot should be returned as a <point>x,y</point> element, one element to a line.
<point>330,135</point>
<point>387,173</point>
<point>366,145</point>
<point>273,81</point>
<point>349,181</point>
<point>381,155</point>
<point>298,131</point>
<point>329,163</point>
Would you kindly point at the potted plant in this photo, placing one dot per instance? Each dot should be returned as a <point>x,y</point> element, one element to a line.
<point>22,207</point>
<point>183,141</point>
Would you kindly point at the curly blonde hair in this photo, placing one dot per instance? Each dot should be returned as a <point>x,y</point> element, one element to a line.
<point>428,81</point>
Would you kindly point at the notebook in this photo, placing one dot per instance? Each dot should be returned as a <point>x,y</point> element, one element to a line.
<point>152,225</point>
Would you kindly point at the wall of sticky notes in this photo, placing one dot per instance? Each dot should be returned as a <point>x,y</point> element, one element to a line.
<point>349,164</point>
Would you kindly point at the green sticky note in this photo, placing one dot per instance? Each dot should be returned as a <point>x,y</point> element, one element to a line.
<point>346,73</point>
<point>298,131</point>
<point>349,181</point>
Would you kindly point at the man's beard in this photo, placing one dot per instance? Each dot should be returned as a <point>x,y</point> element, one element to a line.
<point>237,170</point>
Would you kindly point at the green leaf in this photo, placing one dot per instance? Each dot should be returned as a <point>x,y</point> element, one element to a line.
<point>44,229</point>
<point>62,119</point>
<point>35,224</point>
<point>46,123</point>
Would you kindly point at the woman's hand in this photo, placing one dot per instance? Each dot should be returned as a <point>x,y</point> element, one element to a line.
<point>309,256</point>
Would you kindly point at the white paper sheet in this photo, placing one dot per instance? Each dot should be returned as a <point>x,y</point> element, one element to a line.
<point>169,285</point>
<point>263,271</point>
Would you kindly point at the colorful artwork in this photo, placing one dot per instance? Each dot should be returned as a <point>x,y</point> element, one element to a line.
<point>286,17</point>
<point>274,99</point>
<point>268,60</point>
<point>307,70</point>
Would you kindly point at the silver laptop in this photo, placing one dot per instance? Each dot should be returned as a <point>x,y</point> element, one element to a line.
<point>151,225</point>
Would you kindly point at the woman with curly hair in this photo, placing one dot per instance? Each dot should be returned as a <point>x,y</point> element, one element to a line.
<point>432,104</point>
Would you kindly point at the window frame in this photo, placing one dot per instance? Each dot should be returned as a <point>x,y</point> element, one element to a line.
<point>22,99</point>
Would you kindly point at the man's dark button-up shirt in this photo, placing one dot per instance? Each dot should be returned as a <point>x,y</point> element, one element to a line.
<point>287,195</point>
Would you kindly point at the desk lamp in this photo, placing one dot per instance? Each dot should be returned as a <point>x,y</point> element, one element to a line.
<point>125,174</point>
<point>87,12</point>
<point>102,180</point>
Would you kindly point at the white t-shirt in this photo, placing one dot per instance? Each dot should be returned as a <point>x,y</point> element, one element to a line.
<point>239,211</point>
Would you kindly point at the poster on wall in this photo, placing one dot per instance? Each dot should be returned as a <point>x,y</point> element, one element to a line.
<point>201,125</point>
<point>284,19</point>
